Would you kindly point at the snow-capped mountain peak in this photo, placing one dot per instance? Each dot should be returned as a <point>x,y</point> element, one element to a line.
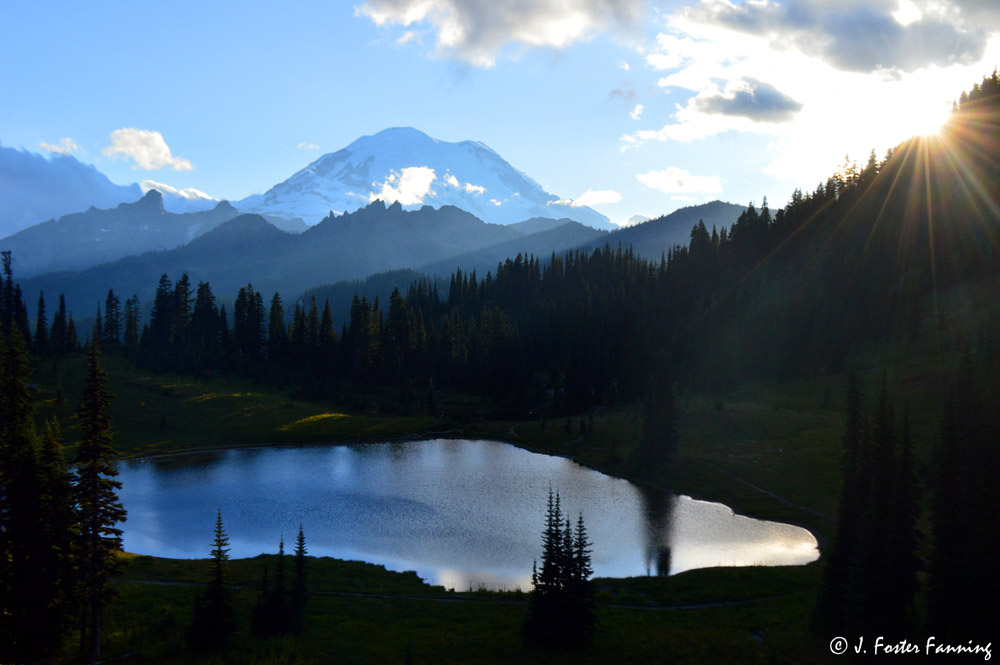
<point>405,165</point>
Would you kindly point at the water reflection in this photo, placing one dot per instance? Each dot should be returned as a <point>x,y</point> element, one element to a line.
<point>460,513</point>
<point>657,508</point>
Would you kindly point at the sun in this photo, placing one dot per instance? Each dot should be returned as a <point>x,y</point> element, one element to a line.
<point>925,121</point>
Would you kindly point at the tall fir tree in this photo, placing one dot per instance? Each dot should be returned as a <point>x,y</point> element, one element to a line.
<point>131,328</point>
<point>213,621</point>
<point>41,341</point>
<point>300,585</point>
<point>97,498</point>
<point>58,331</point>
<point>112,320</point>
<point>72,341</point>
<point>829,613</point>
<point>273,614</point>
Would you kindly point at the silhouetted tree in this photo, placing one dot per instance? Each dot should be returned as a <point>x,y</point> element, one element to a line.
<point>300,588</point>
<point>41,341</point>
<point>214,618</point>
<point>273,614</point>
<point>58,331</point>
<point>112,320</point>
<point>561,609</point>
<point>97,499</point>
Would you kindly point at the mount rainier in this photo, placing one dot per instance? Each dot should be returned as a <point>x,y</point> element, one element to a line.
<point>405,165</point>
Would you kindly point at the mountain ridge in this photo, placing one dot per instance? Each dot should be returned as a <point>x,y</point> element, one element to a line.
<point>80,240</point>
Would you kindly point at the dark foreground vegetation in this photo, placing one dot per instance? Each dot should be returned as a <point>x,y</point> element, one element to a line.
<point>837,358</point>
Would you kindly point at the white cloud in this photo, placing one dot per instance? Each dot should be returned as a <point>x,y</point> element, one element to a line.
<point>624,66</point>
<point>146,148</point>
<point>637,218</point>
<point>409,186</point>
<point>496,203</point>
<point>66,146</point>
<point>189,193</point>
<point>590,197</point>
<point>636,113</point>
<point>596,197</point>
<point>678,181</point>
<point>661,61</point>
<point>305,145</point>
<point>477,31</point>
<point>862,35</point>
<point>407,36</point>
<point>469,188</point>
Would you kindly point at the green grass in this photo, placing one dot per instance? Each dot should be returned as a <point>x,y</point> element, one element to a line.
<point>156,414</point>
<point>442,627</point>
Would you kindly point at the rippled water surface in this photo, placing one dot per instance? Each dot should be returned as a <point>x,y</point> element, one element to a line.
<point>460,513</point>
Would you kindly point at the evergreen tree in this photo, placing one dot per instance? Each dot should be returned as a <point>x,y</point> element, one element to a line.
<point>657,442</point>
<point>98,326</point>
<point>205,318</point>
<point>23,598</point>
<point>963,582</point>
<point>903,560</point>
<point>57,334</point>
<point>41,342</point>
<point>214,617</point>
<point>72,343</point>
<point>300,588</point>
<point>870,577</point>
<point>273,614</point>
<point>130,333</point>
<point>181,324</point>
<point>52,593</point>
<point>97,499</point>
<point>277,335</point>
<point>7,300</point>
<point>327,343</point>
<point>561,610</point>
<point>112,320</point>
<point>161,319</point>
<point>829,614</point>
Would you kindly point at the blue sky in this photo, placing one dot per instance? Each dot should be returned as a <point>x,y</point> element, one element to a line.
<point>632,106</point>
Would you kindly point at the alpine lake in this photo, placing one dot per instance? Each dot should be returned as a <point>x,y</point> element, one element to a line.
<point>463,514</point>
